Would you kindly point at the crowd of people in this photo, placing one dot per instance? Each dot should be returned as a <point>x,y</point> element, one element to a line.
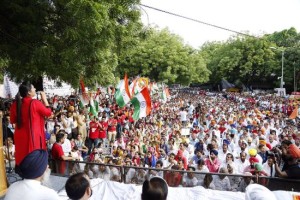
<point>194,131</point>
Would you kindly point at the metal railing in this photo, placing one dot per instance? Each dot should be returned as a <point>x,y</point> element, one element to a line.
<point>137,175</point>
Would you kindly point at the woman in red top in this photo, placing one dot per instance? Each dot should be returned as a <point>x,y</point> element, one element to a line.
<point>28,115</point>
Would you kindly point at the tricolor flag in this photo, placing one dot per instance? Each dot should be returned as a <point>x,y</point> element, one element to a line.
<point>93,109</point>
<point>55,101</point>
<point>142,104</point>
<point>165,94</point>
<point>138,84</point>
<point>123,95</point>
<point>84,97</point>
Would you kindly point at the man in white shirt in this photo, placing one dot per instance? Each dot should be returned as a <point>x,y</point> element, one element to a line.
<point>66,146</point>
<point>183,116</point>
<point>271,141</point>
<point>224,151</point>
<point>34,169</point>
<point>241,163</point>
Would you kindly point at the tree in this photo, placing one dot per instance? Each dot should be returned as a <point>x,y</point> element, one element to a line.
<point>65,40</point>
<point>162,56</point>
<point>287,40</point>
<point>242,59</point>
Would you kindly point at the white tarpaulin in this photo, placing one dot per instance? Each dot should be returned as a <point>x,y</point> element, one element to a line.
<point>108,190</point>
<point>9,89</point>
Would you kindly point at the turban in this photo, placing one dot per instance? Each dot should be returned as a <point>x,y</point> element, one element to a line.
<point>258,167</point>
<point>34,164</point>
<point>269,146</point>
<point>252,152</point>
<point>71,109</point>
<point>214,152</point>
<point>247,174</point>
<point>258,192</point>
<point>294,151</point>
<point>179,153</point>
<point>226,142</point>
<point>262,142</point>
<point>253,160</point>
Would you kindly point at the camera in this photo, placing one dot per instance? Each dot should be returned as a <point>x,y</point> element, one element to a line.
<point>272,154</point>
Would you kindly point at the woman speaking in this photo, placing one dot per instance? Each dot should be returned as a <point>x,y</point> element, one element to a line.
<point>28,115</point>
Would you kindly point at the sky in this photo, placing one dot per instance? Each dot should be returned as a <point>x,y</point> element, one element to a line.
<point>254,17</point>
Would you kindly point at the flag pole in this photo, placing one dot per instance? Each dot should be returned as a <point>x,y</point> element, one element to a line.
<point>3,181</point>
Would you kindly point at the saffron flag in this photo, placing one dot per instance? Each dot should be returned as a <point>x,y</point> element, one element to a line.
<point>142,104</point>
<point>123,95</point>
<point>294,113</point>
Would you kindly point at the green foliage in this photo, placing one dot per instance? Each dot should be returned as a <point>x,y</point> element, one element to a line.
<point>240,60</point>
<point>66,40</point>
<point>289,42</point>
<point>162,56</point>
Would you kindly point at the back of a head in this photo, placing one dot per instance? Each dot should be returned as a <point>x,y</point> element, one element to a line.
<point>76,186</point>
<point>24,88</point>
<point>155,189</point>
<point>258,192</point>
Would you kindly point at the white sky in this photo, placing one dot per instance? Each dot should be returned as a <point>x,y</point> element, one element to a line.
<point>255,17</point>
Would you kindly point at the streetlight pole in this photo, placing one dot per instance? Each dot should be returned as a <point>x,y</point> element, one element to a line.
<point>282,62</point>
<point>282,65</point>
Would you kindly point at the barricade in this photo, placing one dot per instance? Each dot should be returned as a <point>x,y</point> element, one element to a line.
<point>174,178</point>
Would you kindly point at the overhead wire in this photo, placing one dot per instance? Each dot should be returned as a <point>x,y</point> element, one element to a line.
<point>196,20</point>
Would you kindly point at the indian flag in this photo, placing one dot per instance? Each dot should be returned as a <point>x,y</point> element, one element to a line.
<point>142,104</point>
<point>165,94</point>
<point>123,95</point>
<point>93,109</point>
<point>83,100</point>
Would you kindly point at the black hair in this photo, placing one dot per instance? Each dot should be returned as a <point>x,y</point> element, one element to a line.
<point>59,136</point>
<point>232,157</point>
<point>159,162</point>
<point>77,185</point>
<point>201,162</point>
<point>24,88</point>
<point>156,188</point>
<point>286,142</point>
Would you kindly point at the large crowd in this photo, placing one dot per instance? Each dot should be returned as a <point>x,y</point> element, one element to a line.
<point>228,133</point>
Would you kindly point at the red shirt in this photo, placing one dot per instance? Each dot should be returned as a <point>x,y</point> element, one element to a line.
<point>102,129</point>
<point>57,151</point>
<point>112,125</point>
<point>94,130</point>
<point>31,135</point>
